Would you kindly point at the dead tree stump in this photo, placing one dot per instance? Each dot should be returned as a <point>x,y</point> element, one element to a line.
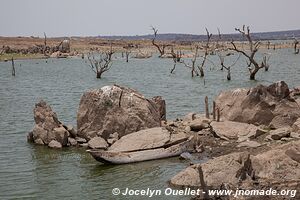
<point>206,107</point>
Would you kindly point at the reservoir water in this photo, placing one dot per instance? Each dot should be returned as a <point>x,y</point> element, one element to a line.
<point>28,171</point>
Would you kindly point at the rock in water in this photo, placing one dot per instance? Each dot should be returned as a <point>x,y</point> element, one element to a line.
<point>97,143</point>
<point>267,105</point>
<point>54,144</point>
<point>47,126</point>
<point>116,109</point>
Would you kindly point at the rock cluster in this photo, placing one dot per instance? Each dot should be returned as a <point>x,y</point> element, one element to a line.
<point>48,130</point>
<point>268,105</point>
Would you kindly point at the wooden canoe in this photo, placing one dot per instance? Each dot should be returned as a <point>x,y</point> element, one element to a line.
<point>139,156</point>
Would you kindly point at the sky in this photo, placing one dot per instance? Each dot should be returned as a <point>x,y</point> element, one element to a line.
<point>134,17</point>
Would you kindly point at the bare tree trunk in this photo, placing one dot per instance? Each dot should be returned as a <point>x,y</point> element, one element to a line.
<point>218,114</point>
<point>228,74</point>
<point>45,44</point>
<point>98,74</point>
<point>206,107</point>
<point>172,70</point>
<point>13,72</point>
<point>214,110</point>
<point>127,56</point>
<point>201,72</point>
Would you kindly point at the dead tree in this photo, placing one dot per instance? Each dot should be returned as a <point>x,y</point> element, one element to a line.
<point>253,65</point>
<point>161,48</point>
<point>101,65</point>
<point>194,60</point>
<point>265,62</point>
<point>296,51</point>
<point>206,48</point>
<point>176,58</point>
<point>127,54</point>
<point>268,44</point>
<point>206,107</point>
<point>45,44</point>
<point>13,71</point>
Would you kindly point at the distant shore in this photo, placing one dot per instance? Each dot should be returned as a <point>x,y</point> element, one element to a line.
<point>83,45</point>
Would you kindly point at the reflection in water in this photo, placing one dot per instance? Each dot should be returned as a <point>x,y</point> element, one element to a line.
<point>34,172</point>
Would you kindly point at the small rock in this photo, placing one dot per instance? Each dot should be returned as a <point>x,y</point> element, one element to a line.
<point>80,140</point>
<point>295,135</point>
<point>185,156</point>
<point>251,144</point>
<point>258,133</point>
<point>97,143</point>
<point>114,135</point>
<point>111,141</point>
<point>39,141</point>
<point>72,141</point>
<point>285,139</point>
<point>71,130</point>
<point>187,129</point>
<point>279,133</point>
<point>85,145</point>
<point>199,124</point>
<point>54,144</point>
<point>296,126</point>
<point>61,135</point>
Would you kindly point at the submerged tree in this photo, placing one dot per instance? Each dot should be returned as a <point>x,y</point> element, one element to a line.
<point>176,58</point>
<point>194,60</point>
<point>102,64</point>
<point>206,48</point>
<point>160,47</point>
<point>253,65</point>
<point>296,51</point>
<point>222,54</point>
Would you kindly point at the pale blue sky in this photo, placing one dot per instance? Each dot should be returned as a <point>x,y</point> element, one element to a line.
<point>134,17</point>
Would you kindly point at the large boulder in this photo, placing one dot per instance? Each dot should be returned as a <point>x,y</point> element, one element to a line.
<point>47,127</point>
<point>279,165</point>
<point>267,105</point>
<point>229,130</point>
<point>116,109</point>
<point>141,140</point>
<point>224,169</point>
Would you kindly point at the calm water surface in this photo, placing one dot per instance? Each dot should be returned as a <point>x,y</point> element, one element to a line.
<point>33,172</point>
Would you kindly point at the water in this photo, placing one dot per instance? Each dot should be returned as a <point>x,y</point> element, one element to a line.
<point>33,172</point>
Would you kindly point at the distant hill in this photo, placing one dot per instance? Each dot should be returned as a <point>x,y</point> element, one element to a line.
<point>277,35</point>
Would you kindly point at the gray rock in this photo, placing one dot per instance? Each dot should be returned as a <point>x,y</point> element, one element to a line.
<point>80,140</point>
<point>71,130</point>
<point>55,144</point>
<point>61,135</point>
<point>97,143</point>
<point>116,109</point>
<point>47,126</point>
<point>250,144</point>
<point>39,141</point>
<point>72,141</point>
<point>199,124</point>
<point>295,135</point>
<point>229,130</point>
<point>296,126</point>
<point>279,133</point>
